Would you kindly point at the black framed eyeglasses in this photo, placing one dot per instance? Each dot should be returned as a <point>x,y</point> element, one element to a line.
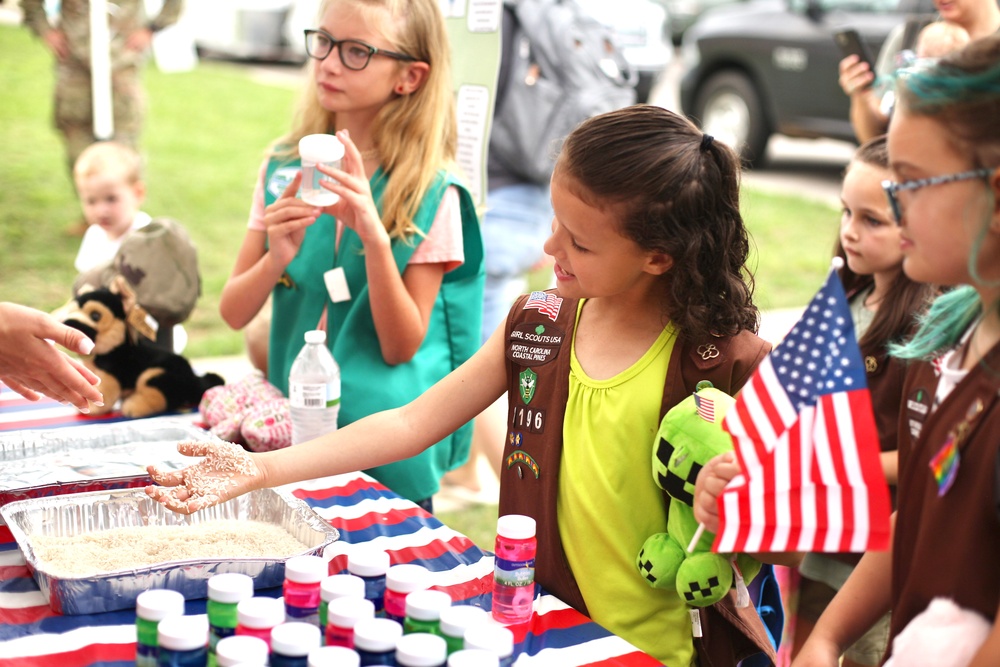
<point>355,55</point>
<point>892,188</point>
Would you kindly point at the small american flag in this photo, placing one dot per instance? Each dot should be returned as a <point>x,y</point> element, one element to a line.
<point>706,407</point>
<point>545,302</point>
<point>804,434</point>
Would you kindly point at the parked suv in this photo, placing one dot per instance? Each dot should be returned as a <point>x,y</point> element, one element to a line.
<point>763,66</point>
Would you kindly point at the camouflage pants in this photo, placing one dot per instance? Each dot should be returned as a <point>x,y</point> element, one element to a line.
<point>73,107</point>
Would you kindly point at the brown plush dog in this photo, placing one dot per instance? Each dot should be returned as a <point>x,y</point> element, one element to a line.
<point>148,379</point>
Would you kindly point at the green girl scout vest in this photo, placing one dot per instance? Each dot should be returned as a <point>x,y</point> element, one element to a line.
<point>368,384</point>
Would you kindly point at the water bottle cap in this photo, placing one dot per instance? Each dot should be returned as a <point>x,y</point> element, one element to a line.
<point>348,612</point>
<point>230,587</point>
<point>494,638</point>
<point>306,569</point>
<point>182,633</point>
<point>421,649</point>
<point>260,613</point>
<point>320,148</point>
<point>238,649</point>
<point>407,578</point>
<point>377,635</point>
<point>334,656</point>
<point>315,337</point>
<point>158,603</point>
<point>367,562</point>
<point>340,586</point>
<point>455,620</point>
<point>473,657</point>
<point>427,605</point>
<point>295,640</point>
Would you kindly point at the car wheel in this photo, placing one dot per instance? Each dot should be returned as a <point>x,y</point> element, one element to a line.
<point>728,108</point>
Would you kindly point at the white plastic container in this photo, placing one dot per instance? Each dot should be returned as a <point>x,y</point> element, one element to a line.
<point>314,389</point>
<point>315,149</point>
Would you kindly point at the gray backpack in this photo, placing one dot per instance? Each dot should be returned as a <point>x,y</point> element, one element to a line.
<point>160,264</point>
<point>564,68</point>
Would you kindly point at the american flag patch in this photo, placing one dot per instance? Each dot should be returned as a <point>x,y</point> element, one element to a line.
<point>706,407</point>
<point>544,302</point>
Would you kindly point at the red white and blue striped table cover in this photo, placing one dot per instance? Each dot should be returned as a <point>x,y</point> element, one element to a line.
<point>364,511</point>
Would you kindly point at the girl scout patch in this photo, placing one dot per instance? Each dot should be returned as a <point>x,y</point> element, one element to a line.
<point>526,383</point>
<point>534,343</point>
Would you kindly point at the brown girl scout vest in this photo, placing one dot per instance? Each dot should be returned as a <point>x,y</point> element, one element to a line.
<point>539,333</point>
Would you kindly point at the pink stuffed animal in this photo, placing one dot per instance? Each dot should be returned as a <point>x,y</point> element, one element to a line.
<point>943,635</point>
<point>252,412</point>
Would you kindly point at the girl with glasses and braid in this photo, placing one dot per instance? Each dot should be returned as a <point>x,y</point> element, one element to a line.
<point>944,149</point>
<point>401,247</point>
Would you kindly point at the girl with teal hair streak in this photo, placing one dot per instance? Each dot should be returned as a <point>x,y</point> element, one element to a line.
<point>944,148</point>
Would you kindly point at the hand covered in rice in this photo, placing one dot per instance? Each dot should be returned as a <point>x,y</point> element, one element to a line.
<point>227,471</point>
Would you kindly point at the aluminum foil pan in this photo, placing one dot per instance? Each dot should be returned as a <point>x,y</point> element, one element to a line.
<point>39,463</point>
<point>75,514</point>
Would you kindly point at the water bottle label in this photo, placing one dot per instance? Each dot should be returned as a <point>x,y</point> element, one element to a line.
<point>302,395</point>
<point>514,572</point>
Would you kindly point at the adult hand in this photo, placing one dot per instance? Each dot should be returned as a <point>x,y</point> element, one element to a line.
<point>31,365</point>
<point>855,76</point>
<point>356,206</point>
<point>227,471</point>
<point>55,39</point>
<point>286,221</point>
<point>712,479</point>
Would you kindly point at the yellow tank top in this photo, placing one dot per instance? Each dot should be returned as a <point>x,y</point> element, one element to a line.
<point>609,504</point>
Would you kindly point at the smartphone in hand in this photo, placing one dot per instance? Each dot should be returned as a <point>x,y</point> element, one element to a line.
<point>850,44</point>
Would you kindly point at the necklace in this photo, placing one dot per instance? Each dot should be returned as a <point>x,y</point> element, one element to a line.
<point>370,154</point>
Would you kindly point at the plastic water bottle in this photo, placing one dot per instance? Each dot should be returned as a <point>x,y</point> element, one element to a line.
<point>514,572</point>
<point>151,607</point>
<point>314,389</point>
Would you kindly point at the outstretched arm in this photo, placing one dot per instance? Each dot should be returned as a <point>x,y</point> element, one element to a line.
<point>392,435</point>
<point>864,598</point>
<point>30,365</point>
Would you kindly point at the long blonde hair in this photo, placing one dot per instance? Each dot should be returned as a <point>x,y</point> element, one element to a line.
<point>415,134</point>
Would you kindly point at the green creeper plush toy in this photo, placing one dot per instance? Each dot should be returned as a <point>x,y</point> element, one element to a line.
<point>690,434</point>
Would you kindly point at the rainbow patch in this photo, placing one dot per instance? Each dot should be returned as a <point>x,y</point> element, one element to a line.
<point>521,457</point>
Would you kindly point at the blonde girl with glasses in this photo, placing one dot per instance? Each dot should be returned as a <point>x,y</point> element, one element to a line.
<point>944,148</point>
<point>402,242</point>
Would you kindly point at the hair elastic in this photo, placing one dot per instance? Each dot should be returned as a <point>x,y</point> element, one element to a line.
<point>706,142</point>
